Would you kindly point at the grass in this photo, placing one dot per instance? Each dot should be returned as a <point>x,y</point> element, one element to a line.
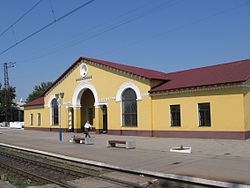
<point>20,182</point>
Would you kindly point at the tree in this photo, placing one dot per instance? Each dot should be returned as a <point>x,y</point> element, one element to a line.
<point>38,91</point>
<point>7,104</point>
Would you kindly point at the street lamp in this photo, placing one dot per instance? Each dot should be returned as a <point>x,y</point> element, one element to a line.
<point>59,97</point>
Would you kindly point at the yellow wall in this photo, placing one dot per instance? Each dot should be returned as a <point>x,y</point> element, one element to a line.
<point>144,120</point>
<point>229,107</point>
<point>247,106</point>
<point>34,111</point>
<point>226,109</point>
<point>106,83</point>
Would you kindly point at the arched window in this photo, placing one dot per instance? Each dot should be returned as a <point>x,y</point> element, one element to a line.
<point>54,112</point>
<point>129,108</point>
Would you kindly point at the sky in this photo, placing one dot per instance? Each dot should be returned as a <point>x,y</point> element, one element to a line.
<point>163,35</point>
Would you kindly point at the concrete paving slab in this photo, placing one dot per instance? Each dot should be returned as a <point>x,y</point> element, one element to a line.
<point>93,183</point>
<point>220,160</point>
<point>5,184</point>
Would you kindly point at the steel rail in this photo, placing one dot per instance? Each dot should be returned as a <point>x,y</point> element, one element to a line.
<point>25,173</point>
<point>73,172</point>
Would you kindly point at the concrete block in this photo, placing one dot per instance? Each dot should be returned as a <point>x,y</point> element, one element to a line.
<point>107,144</point>
<point>130,144</point>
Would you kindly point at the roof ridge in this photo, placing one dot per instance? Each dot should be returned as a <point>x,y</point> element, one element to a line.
<point>132,66</point>
<point>209,66</point>
<point>148,73</point>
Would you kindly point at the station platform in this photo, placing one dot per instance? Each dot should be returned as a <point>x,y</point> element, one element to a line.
<point>216,162</point>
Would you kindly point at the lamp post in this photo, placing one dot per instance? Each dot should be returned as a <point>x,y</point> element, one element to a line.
<point>59,97</point>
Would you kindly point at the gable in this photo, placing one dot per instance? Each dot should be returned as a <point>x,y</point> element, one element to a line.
<point>116,68</point>
<point>104,79</point>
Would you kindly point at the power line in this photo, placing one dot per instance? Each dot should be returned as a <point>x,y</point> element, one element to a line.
<point>126,21</point>
<point>19,19</point>
<point>180,27</point>
<point>46,26</point>
<point>113,26</point>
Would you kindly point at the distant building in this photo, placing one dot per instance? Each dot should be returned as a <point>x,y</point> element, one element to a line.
<point>16,114</point>
<point>207,102</point>
<point>20,111</point>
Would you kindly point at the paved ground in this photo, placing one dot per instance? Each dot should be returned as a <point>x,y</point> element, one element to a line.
<point>221,160</point>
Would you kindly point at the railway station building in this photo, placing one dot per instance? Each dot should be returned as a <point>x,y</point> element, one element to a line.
<point>117,99</point>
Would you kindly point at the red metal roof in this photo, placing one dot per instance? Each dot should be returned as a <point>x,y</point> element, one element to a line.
<point>142,72</point>
<point>37,102</point>
<point>146,73</point>
<point>233,72</point>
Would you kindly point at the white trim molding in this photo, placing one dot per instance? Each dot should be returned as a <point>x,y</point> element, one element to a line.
<point>50,107</point>
<point>101,104</point>
<point>145,94</point>
<point>50,100</point>
<point>76,107</point>
<point>80,88</point>
<point>106,99</point>
<point>122,88</point>
<point>201,88</point>
<point>125,86</point>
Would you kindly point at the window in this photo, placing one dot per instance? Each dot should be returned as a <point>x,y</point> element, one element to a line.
<point>39,119</point>
<point>31,119</point>
<point>204,114</point>
<point>175,115</point>
<point>129,108</point>
<point>55,112</point>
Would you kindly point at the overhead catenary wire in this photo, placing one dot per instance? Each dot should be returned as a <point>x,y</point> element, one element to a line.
<point>46,26</point>
<point>180,27</point>
<point>152,37</point>
<point>113,26</point>
<point>127,21</point>
<point>108,22</point>
<point>20,18</point>
<point>161,34</point>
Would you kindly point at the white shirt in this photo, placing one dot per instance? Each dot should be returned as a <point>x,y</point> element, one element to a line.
<point>87,125</point>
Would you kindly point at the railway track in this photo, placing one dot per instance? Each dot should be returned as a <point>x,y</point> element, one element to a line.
<point>48,170</point>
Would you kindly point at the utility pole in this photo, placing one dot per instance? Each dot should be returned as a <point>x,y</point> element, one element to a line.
<point>7,85</point>
<point>6,74</point>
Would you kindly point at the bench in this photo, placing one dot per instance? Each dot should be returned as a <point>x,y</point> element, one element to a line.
<point>82,140</point>
<point>128,144</point>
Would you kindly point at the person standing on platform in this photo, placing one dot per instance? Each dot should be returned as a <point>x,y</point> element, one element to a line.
<point>87,128</point>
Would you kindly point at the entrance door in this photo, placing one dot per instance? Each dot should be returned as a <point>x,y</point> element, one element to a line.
<point>89,115</point>
<point>87,108</point>
<point>105,119</point>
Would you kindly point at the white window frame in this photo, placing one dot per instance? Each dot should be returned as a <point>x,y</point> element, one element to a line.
<point>38,119</point>
<point>198,114</point>
<point>118,97</point>
<point>31,119</point>
<point>52,123</point>
<point>121,104</point>
<point>170,116</point>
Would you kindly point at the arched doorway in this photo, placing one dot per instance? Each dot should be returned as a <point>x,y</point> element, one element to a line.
<point>87,107</point>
